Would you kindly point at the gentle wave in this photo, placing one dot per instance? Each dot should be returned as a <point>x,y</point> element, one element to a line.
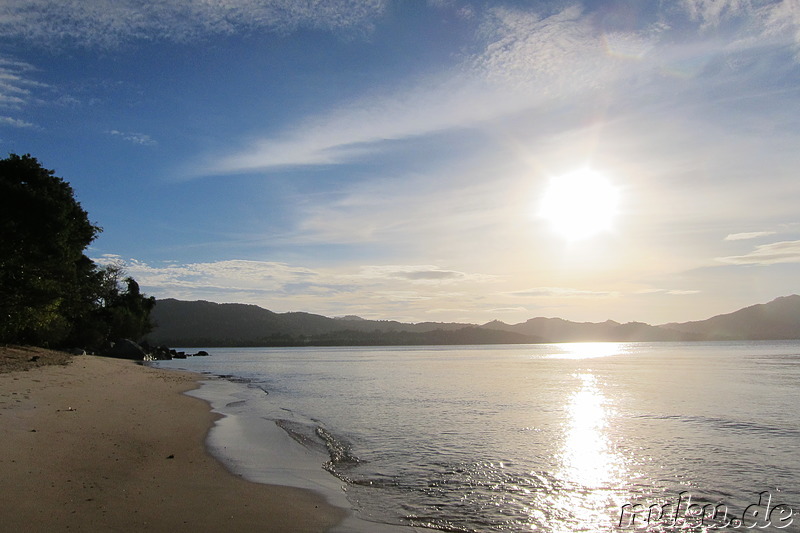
<point>754,429</point>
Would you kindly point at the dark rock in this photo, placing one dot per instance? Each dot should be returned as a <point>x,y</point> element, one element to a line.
<point>125,349</point>
<point>161,353</point>
<point>202,353</point>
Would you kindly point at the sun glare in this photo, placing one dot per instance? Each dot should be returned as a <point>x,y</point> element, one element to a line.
<point>580,205</point>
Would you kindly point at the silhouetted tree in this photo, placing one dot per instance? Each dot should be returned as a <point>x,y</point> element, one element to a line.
<point>50,292</point>
<point>126,309</point>
<point>118,310</point>
<point>45,231</point>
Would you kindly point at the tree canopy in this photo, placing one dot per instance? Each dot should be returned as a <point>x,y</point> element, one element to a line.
<point>51,293</point>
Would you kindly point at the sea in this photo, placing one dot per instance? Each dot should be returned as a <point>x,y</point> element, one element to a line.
<point>574,437</point>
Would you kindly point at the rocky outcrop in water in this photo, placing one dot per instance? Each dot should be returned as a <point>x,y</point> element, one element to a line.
<point>128,349</point>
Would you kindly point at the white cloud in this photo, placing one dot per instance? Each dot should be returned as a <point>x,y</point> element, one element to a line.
<point>406,210</point>
<point>110,22</point>
<point>559,292</point>
<point>527,60</point>
<point>362,127</point>
<point>683,292</point>
<point>673,292</point>
<point>650,291</point>
<point>16,86</point>
<point>135,138</point>
<point>15,122</point>
<point>748,235</point>
<point>562,50</point>
<point>712,12</point>
<point>403,296</point>
<point>782,18</point>
<point>231,275</point>
<point>765,19</point>
<point>515,310</point>
<point>768,254</point>
<point>399,290</point>
<point>423,274</point>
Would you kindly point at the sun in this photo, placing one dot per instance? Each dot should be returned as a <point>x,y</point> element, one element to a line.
<point>581,204</point>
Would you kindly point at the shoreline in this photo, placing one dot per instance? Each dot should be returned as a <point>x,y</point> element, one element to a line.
<point>252,446</point>
<point>106,444</point>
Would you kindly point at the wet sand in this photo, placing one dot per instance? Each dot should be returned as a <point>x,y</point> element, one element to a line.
<point>108,445</point>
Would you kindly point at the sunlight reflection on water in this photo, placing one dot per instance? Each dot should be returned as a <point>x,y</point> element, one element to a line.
<point>586,350</point>
<point>592,472</point>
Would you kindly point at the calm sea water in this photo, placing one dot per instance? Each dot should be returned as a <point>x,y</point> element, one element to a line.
<point>554,438</point>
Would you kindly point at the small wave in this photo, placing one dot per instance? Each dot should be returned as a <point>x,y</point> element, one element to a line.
<point>338,449</point>
<point>317,438</point>
<point>377,482</point>
<point>434,522</point>
<point>235,379</point>
<point>258,386</point>
<point>728,424</point>
<point>302,433</point>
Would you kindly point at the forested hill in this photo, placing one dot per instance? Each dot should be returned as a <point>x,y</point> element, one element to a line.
<point>778,319</point>
<point>200,323</point>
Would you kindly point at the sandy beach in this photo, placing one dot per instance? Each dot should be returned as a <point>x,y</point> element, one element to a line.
<point>101,444</point>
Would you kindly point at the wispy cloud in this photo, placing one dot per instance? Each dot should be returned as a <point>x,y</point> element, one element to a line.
<point>15,83</point>
<point>525,60</point>
<point>766,18</point>
<point>406,290</point>
<point>15,122</point>
<point>502,310</point>
<point>782,18</point>
<point>712,12</point>
<point>407,209</point>
<point>231,275</point>
<point>16,90</point>
<point>768,254</point>
<point>104,23</point>
<point>559,292</point>
<point>748,235</point>
<point>426,274</point>
<point>560,52</point>
<point>684,292</point>
<point>135,138</point>
<point>364,127</point>
<point>673,292</point>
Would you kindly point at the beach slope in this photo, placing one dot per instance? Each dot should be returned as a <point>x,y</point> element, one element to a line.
<point>107,445</point>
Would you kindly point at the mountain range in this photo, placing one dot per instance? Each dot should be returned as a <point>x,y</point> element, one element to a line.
<point>201,323</point>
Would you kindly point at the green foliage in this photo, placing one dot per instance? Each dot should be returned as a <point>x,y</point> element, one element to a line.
<point>125,312</point>
<point>51,294</point>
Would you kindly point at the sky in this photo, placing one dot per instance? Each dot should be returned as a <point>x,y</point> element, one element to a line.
<point>397,159</point>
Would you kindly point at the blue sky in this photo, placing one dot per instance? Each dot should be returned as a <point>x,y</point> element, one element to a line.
<point>390,158</point>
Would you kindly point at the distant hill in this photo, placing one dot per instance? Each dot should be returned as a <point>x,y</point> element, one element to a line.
<point>201,323</point>
<point>778,319</point>
<point>560,330</point>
